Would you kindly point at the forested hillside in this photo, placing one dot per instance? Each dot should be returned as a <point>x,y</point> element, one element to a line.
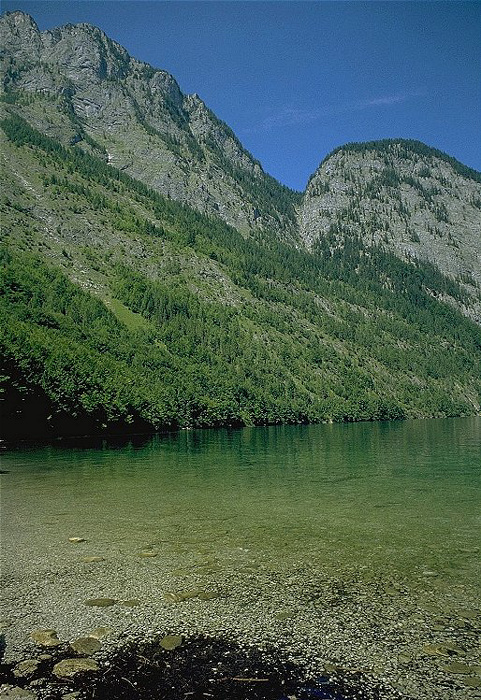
<point>123,309</point>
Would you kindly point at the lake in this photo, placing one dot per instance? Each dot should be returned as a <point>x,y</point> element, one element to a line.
<point>289,519</point>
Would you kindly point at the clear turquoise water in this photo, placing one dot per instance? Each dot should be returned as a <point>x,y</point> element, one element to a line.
<point>401,497</point>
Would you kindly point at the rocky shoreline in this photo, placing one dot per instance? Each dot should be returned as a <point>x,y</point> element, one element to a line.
<point>297,634</point>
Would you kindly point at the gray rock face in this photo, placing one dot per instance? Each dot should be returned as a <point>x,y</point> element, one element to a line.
<point>410,199</point>
<point>82,86</point>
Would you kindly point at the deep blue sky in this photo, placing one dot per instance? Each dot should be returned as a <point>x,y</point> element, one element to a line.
<point>296,79</point>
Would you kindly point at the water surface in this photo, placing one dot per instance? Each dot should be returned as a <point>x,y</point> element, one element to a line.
<point>400,497</point>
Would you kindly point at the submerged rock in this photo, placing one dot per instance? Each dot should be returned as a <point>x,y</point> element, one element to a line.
<point>283,615</point>
<point>456,667</point>
<point>71,667</point>
<point>13,692</point>
<point>86,645</point>
<point>101,632</point>
<point>92,559</point>
<point>26,668</point>
<point>100,602</point>
<point>445,649</point>
<point>171,641</point>
<point>45,638</point>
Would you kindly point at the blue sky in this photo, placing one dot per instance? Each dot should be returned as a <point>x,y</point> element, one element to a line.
<point>296,79</point>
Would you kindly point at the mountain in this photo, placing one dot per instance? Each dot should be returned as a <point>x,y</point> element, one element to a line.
<point>79,86</point>
<point>412,200</point>
<point>122,308</point>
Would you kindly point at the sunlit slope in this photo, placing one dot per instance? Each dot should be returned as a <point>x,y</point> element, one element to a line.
<point>405,197</point>
<point>121,307</point>
<point>79,86</point>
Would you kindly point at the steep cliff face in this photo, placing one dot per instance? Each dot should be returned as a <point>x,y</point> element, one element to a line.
<point>77,85</point>
<point>407,198</point>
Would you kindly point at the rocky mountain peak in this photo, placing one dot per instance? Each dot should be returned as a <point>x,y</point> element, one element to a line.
<point>19,34</point>
<point>404,196</point>
<point>400,194</point>
<point>137,116</point>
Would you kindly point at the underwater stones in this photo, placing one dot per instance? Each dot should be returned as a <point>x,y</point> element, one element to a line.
<point>283,615</point>
<point>391,591</point>
<point>108,602</point>
<point>434,650</point>
<point>172,597</point>
<point>101,632</point>
<point>13,692</point>
<point>76,540</point>
<point>68,668</point>
<point>45,638</point>
<point>170,642</point>
<point>208,595</point>
<point>466,614</point>
<point>92,559</point>
<point>180,596</point>
<point>100,602</point>
<point>456,667</point>
<point>472,681</point>
<point>86,645</point>
<point>445,649</point>
<point>26,668</point>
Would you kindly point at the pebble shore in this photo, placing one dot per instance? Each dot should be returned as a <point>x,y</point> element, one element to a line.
<point>400,639</point>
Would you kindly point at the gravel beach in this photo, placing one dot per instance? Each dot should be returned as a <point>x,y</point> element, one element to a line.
<point>397,639</point>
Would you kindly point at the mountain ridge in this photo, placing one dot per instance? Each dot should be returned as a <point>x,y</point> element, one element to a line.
<point>169,140</point>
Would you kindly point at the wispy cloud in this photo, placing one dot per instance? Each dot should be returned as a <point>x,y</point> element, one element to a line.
<point>386,100</point>
<point>291,116</point>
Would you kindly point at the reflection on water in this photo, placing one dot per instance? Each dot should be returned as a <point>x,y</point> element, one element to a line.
<point>401,496</point>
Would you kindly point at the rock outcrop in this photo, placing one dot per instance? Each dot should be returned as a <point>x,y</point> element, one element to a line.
<point>77,85</point>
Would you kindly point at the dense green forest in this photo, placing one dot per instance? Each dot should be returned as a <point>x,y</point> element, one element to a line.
<point>124,310</point>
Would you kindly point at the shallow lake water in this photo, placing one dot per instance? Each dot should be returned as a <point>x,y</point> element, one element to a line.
<point>401,496</point>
